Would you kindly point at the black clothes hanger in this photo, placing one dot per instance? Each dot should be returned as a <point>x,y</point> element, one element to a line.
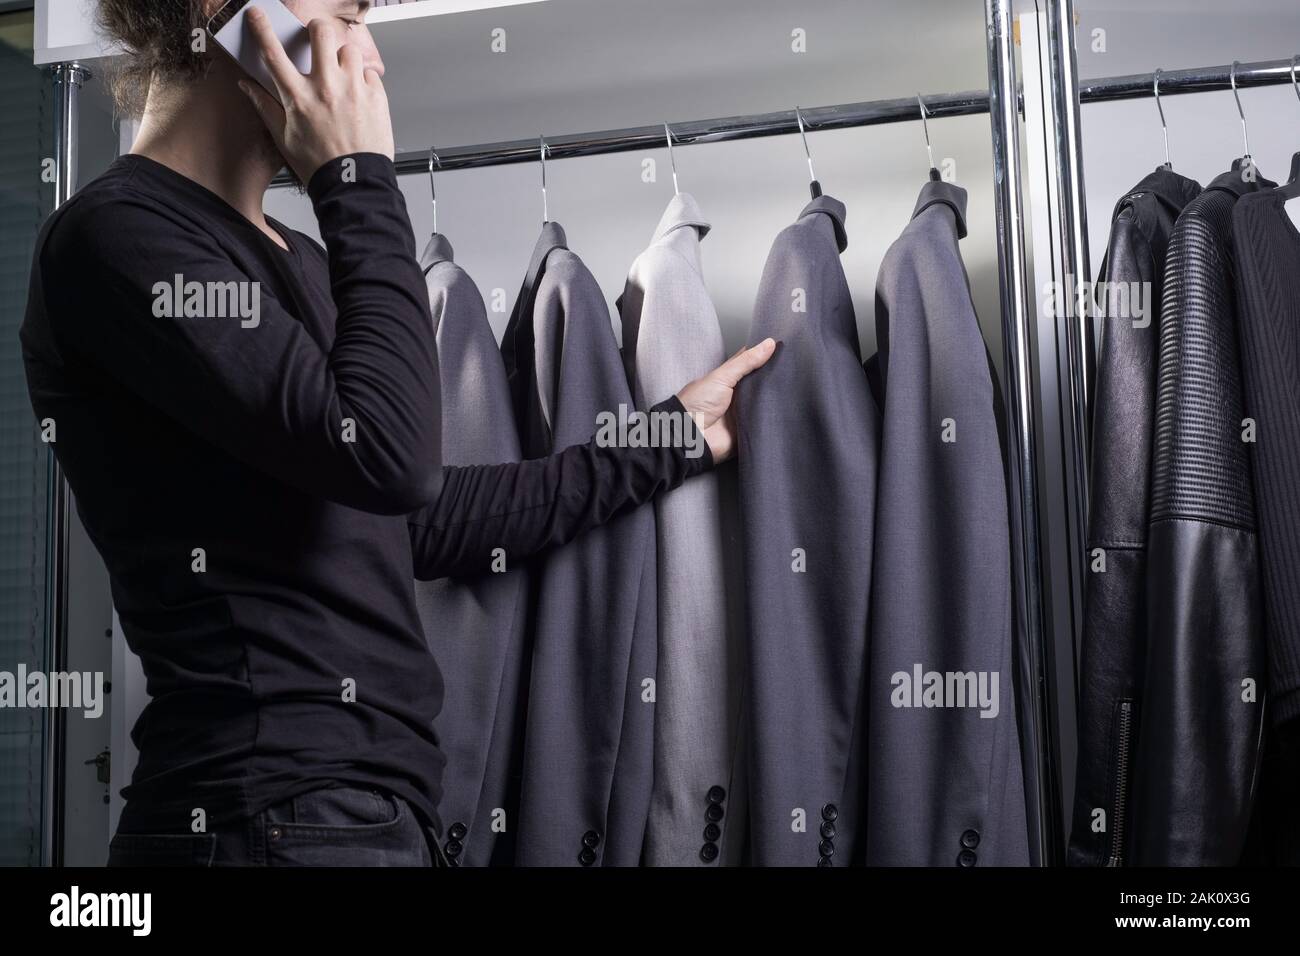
<point>1291,189</point>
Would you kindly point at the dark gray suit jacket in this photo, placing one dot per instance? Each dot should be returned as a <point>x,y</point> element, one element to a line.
<point>475,627</point>
<point>809,438</point>
<point>944,783</point>
<point>588,749</point>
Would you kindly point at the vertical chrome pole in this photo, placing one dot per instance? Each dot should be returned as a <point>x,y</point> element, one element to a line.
<point>68,78</point>
<point>1004,120</point>
<point>1072,236</point>
<point>1073,226</point>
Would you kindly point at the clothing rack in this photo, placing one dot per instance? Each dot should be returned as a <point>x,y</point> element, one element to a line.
<point>819,118</point>
<point>1200,79</point>
<point>843,116</point>
<point>1038,689</point>
<point>1004,104</point>
<point>1071,255</point>
<point>68,79</point>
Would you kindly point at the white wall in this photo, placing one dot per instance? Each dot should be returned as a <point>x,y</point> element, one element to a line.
<point>1122,140</point>
<point>65,30</point>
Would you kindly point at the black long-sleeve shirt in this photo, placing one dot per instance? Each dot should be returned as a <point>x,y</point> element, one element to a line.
<point>265,483</point>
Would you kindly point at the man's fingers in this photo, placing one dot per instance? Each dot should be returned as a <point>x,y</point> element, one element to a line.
<point>352,61</point>
<point>287,78</point>
<point>325,44</point>
<point>745,361</point>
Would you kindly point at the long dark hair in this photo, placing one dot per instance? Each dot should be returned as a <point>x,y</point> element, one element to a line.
<point>160,38</point>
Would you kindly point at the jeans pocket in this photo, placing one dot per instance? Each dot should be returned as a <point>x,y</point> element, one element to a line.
<point>344,826</point>
<point>162,849</point>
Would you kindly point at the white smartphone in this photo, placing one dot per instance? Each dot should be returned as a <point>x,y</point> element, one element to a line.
<point>229,27</point>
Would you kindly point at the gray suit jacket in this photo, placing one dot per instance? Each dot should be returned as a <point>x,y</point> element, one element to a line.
<point>475,627</point>
<point>809,435</point>
<point>944,783</point>
<point>588,746</point>
<point>671,336</point>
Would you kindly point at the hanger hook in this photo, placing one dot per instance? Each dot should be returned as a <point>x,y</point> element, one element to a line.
<point>1155,89</point>
<point>1294,85</point>
<point>433,192</point>
<point>542,150</point>
<point>1232,78</point>
<point>798,115</point>
<point>925,127</point>
<point>672,159</point>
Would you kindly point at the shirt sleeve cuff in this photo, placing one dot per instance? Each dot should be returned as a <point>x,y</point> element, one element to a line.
<point>693,452</point>
<point>349,170</point>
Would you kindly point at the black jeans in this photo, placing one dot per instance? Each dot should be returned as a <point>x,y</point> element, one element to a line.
<point>336,826</point>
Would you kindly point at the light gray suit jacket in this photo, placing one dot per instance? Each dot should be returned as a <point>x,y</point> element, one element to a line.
<point>671,336</point>
<point>944,784</point>
<point>588,747</point>
<point>809,436</point>
<point>475,626</point>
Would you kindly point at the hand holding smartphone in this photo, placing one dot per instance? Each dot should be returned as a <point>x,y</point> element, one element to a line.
<point>231,29</point>
<point>323,100</point>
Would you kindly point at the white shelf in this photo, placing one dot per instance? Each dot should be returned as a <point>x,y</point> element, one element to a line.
<point>436,8</point>
<point>65,29</point>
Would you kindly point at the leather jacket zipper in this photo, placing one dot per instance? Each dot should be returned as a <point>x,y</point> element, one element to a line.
<point>1121,784</point>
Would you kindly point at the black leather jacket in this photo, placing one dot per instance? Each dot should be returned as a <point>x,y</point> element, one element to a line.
<point>1195,731</point>
<point>1203,692</point>
<point>1114,637</point>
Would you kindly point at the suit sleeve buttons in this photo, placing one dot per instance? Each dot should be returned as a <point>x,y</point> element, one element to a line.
<point>970,839</point>
<point>826,848</point>
<point>453,847</point>
<point>713,812</point>
<point>590,840</point>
